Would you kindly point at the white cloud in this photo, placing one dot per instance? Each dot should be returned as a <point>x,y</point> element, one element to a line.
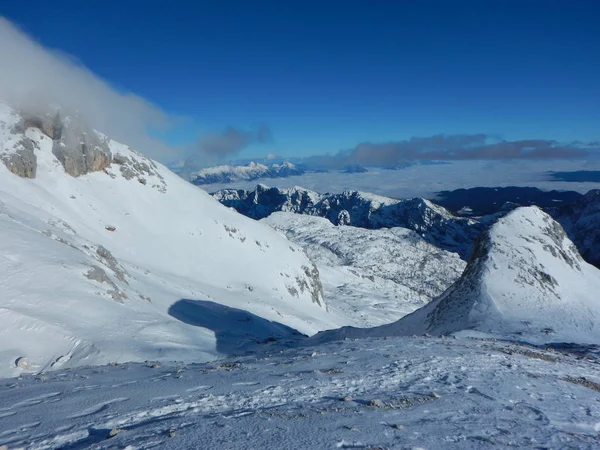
<point>33,77</point>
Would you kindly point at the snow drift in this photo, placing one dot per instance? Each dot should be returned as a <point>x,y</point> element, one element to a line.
<point>525,281</point>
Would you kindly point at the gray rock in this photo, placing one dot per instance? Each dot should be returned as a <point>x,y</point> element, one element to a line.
<point>376,403</point>
<point>80,150</point>
<point>50,125</point>
<point>139,168</point>
<point>110,261</point>
<point>22,161</point>
<point>98,274</point>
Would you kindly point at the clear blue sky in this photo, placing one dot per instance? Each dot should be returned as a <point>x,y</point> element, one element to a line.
<point>327,75</point>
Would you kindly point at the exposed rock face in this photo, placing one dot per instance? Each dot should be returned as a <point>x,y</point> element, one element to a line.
<point>22,161</point>
<point>312,283</point>
<point>98,274</point>
<point>80,150</point>
<point>139,168</point>
<point>51,126</point>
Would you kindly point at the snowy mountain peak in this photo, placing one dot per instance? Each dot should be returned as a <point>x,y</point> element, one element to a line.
<point>525,278</point>
<point>96,250</point>
<point>525,281</point>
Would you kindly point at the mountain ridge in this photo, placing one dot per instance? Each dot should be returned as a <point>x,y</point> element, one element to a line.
<point>524,281</point>
<point>248,172</point>
<point>94,259</point>
<point>432,222</point>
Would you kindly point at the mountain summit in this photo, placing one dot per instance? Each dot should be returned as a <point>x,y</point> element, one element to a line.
<point>525,281</point>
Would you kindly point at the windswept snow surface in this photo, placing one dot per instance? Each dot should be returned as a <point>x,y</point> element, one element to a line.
<point>91,265</point>
<point>397,393</point>
<point>526,281</point>
<point>371,276</point>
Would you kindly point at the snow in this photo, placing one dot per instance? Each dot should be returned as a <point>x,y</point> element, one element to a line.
<point>251,171</point>
<point>171,241</point>
<point>138,312</point>
<point>371,276</point>
<point>433,393</point>
<point>241,170</point>
<point>432,222</point>
<point>526,281</point>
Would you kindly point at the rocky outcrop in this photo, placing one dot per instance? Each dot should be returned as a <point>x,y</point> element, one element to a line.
<point>22,161</point>
<point>50,125</point>
<point>78,147</point>
<point>80,150</point>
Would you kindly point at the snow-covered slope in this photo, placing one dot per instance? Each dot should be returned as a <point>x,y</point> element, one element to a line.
<point>91,266</point>
<point>432,222</point>
<point>526,281</point>
<point>399,393</point>
<point>371,276</point>
<point>249,172</point>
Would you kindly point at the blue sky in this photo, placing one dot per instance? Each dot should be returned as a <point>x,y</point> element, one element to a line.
<point>326,76</point>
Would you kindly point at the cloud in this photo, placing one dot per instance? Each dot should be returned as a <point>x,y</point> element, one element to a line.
<point>231,141</point>
<point>461,147</point>
<point>35,78</point>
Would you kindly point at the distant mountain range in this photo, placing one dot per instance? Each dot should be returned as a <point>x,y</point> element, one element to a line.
<point>480,201</point>
<point>272,168</point>
<point>251,171</point>
<point>433,223</point>
<point>579,214</point>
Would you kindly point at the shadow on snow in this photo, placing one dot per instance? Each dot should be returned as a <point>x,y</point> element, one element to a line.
<point>237,331</point>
